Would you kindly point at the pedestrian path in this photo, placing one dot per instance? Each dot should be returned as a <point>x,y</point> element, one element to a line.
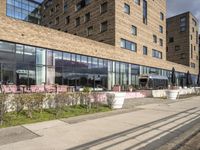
<point>154,123</point>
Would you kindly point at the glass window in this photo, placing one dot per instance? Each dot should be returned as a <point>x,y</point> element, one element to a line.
<point>66,56</point>
<point>7,52</point>
<point>24,10</point>
<point>161,16</point>
<point>29,55</point>
<point>84,59</point>
<point>19,53</point>
<point>134,30</point>
<point>87,17</point>
<point>40,56</point>
<point>145,50</point>
<point>161,29</point>
<point>78,21</point>
<point>40,75</point>
<point>127,8</point>
<point>128,45</point>
<point>144,11</point>
<point>8,73</point>
<point>104,26</point>
<point>137,2</point>
<point>58,58</point>
<point>154,38</point>
<point>104,7</point>
<point>156,54</point>
<point>89,31</point>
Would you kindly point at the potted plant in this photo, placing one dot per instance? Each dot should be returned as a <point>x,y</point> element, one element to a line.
<point>173,92</point>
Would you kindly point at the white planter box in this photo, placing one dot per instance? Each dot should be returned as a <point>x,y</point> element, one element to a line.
<point>119,99</point>
<point>172,94</point>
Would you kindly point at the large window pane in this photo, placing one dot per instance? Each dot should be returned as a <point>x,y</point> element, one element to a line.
<point>40,56</point>
<point>40,75</point>
<point>8,73</point>
<point>29,55</point>
<point>7,52</point>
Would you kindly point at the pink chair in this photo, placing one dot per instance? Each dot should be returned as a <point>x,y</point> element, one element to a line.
<point>37,89</point>
<point>6,89</point>
<point>50,88</point>
<point>14,89</point>
<point>61,88</point>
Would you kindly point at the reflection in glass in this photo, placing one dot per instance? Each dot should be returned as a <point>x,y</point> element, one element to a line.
<point>40,56</point>
<point>40,75</point>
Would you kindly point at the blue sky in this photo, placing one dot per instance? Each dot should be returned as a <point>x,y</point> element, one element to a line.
<point>175,7</point>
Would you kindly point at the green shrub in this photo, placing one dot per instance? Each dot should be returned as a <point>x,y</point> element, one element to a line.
<point>2,107</point>
<point>110,100</point>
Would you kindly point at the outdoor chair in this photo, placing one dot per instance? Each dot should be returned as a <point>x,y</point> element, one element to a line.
<point>37,88</point>
<point>50,88</point>
<point>61,88</point>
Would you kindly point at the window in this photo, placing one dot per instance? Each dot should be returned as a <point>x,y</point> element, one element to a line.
<point>156,54</point>
<point>144,11</point>
<point>78,20</point>
<point>67,20</point>
<point>145,50</point>
<point>65,6</point>
<point>183,56</point>
<point>194,22</point>
<point>25,10</point>
<point>193,65</point>
<point>183,24</point>
<point>161,29</point>
<point>51,11</point>
<point>57,20</point>
<point>104,7</point>
<point>104,26</point>
<point>134,30</point>
<point>161,16</point>
<point>137,2</point>
<point>89,31</point>
<point>82,4</point>
<point>128,45</point>
<point>154,38</point>
<point>193,29</point>
<point>57,7</point>
<point>171,40</point>
<point>177,48</point>
<point>127,8</point>
<point>87,17</point>
<point>161,42</point>
<point>191,51</point>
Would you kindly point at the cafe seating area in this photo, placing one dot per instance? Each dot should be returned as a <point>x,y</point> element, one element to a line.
<point>16,89</point>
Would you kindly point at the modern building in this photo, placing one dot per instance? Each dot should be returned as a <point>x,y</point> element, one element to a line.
<point>126,39</point>
<point>183,40</point>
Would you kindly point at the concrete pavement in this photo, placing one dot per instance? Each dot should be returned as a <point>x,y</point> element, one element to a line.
<point>150,127</point>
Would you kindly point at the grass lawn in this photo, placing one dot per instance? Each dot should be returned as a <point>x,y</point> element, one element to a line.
<point>14,119</point>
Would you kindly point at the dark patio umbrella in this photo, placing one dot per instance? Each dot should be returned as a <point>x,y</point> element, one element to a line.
<point>173,77</point>
<point>198,80</point>
<point>188,79</point>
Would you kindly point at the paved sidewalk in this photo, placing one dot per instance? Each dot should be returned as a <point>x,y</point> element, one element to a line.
<point>153,123</point>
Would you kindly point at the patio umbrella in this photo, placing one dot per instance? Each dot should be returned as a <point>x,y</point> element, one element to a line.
<point>173,77</point>
<point>198,80</point>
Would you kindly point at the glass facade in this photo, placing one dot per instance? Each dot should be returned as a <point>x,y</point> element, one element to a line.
<point>29,65</point>
<point>27,10</point>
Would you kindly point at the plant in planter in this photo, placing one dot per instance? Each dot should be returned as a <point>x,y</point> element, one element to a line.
<point>3,98</point>
<point>172,93</point>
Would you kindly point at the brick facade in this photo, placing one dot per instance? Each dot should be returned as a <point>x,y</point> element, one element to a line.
<point>23,32</point>
<point>184,47</point>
